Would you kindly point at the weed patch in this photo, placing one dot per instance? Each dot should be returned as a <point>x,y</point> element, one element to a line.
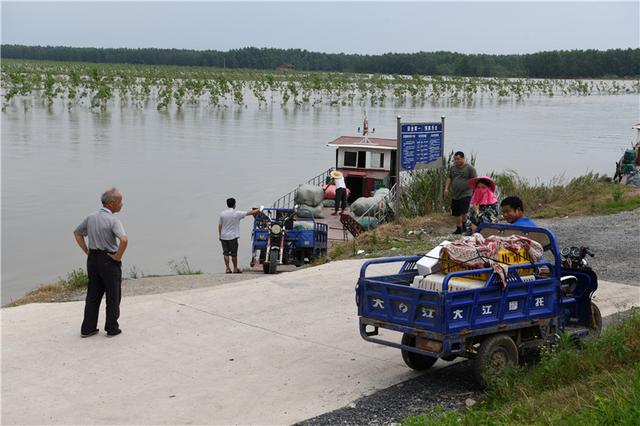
<point>182,267</point>
<point>597,384</point>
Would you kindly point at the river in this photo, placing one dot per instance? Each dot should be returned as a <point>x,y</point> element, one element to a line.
<point>176,168</point>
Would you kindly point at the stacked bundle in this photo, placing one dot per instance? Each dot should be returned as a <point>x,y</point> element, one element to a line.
<point>373,207</point>
<point>309,200</point>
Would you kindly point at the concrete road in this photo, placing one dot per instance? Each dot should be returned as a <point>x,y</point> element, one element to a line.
<point>272,350</point>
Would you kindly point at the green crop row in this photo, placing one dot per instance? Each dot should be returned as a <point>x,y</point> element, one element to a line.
<point>167,86</point>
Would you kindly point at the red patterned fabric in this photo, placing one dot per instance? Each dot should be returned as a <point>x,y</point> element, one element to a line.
<point>476,251</point>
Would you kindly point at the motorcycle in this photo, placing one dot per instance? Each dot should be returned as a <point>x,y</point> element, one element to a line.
<point>276,236</point>
<point>576,257</point>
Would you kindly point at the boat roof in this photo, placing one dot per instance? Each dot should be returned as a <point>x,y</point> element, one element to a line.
<point>636,126</point>
<point>363,142</point>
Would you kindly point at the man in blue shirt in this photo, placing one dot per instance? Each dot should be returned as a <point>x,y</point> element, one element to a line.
<point>513,212</point>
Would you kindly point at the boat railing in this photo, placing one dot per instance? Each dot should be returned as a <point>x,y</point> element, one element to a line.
<point>386,211</point>
<point>287,201</point>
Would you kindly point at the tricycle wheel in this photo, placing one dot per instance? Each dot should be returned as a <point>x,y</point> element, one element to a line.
<point>595,327</point>
<point>273,261</point>
<point>413,360</point>
<point>495,353</point>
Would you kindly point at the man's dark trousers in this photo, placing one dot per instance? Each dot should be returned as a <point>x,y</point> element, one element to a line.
<point>341,199</point>
<point>105,276</point>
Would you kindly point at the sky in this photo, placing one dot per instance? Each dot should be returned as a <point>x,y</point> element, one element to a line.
<point>333,27</point>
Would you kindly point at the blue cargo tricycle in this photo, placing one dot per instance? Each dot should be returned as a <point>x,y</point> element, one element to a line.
<point>489,324</point>
<point>281,237</point>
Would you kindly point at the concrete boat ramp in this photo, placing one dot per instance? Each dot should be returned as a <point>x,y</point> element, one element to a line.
<point>272,350</point>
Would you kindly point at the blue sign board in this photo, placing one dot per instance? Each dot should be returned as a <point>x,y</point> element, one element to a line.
<point>420,143</point>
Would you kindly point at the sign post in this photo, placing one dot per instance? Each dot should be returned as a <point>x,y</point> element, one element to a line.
<point>398,185</point>
<point>420,146</point>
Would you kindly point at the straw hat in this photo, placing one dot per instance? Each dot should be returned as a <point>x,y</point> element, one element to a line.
<point>336,174</point>
<point>474,182</point>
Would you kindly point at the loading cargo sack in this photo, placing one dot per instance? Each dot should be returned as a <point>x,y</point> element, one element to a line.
<point>310,211</point>
<point>309,195</point>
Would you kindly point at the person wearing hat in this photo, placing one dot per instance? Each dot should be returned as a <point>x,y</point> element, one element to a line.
<point>341,192</point>
<point>483,207</point>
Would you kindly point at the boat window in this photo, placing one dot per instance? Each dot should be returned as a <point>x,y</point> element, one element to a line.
<point>377,160</point>
<point>362,159</point>
<point>350,159</point>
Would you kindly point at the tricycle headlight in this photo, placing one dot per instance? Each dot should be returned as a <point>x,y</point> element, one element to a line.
<point>276,229</point>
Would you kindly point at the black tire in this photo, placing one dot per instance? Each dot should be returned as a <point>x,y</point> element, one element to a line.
<point>595,328</point>
<point>413,360</point>
<point>273,261</point>
<point>496,353</point>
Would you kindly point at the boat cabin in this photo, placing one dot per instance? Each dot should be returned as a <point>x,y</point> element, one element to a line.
<point>367,163</point>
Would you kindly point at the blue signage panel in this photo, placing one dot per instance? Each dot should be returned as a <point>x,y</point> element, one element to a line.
<point>420,143</point>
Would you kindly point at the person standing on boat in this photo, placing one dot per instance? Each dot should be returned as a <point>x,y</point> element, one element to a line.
<point>341,192</point>
<point>104,262</point>
<point>229,232</point>
<point>459,175</point>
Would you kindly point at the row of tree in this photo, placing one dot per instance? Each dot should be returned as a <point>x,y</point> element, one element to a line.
<point>555,64</point>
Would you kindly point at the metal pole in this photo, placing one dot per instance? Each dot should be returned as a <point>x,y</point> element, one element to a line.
<point>444,166</point>
<point>398,152</point>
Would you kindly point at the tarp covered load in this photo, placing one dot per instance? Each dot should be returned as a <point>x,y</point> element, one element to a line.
<point>303,225</point>
<point>476,251</point>
<point>306,211</point>
<point>367,222</point>
<point>309,195</point>
<point>377,203</point>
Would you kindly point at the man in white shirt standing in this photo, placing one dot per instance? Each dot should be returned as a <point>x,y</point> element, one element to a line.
<point>229,232</point>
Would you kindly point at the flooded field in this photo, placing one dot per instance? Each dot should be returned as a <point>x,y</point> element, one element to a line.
<point>176,168</point>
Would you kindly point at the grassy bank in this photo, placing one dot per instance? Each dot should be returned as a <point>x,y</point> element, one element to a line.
<point>598,384</point>
<point>591,194</point>
<point>76,280</point>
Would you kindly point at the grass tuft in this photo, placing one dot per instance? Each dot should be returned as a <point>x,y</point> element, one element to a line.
<point>182,267</point>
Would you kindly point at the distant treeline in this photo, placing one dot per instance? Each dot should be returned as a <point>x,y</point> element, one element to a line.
<point>555,64</point>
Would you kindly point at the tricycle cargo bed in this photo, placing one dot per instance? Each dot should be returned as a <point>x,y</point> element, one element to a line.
<point>392,299</point>
<point>477,313</point>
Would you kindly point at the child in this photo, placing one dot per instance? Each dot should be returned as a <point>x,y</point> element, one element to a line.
<point>483,207</point>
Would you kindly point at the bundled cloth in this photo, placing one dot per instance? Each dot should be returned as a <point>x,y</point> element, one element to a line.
<point>476,251</point>
<point>309,195</point>
<point>378,203</point>
<point>305,210</point>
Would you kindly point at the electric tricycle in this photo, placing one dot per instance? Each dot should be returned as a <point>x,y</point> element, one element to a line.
<point>281,237</point>
<point>487,320</point>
